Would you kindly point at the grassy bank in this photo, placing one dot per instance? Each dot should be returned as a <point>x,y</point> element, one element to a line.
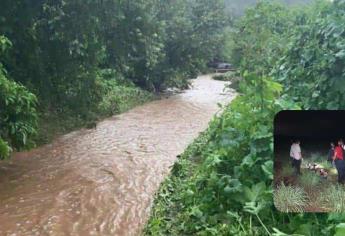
<point>169,206</point>
<point>118,99</point>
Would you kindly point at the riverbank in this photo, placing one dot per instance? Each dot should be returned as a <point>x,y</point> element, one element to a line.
<point>52,124</point>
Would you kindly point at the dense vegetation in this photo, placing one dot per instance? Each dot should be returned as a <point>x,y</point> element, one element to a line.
<point>17,113</point>
<point>79,60</point>
<point>222,184</point>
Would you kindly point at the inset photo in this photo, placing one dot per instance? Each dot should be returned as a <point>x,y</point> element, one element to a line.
<point>309,165</point>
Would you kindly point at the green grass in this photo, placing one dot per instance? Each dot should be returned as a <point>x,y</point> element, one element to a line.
<point>167,208</point>
<point>326,164</point>
<point>289,198</point>
<point>333,198</point>
<point>309,180</point>
<point>123,98</point>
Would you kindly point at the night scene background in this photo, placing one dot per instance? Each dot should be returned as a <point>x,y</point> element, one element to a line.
<point>315,130</point>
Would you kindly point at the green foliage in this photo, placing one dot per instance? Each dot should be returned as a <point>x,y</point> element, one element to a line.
<point>61,45</point>
<point>289,198</point>
<point>258,38</point>
<point>4,150</point>
<point>18,116</point>
<point>302,49</point>
<point>313,62</point>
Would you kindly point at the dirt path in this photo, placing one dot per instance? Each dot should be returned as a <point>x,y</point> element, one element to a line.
<point>102,181</point>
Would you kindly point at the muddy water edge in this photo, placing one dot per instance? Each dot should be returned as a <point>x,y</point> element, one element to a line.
<point>102,181</point>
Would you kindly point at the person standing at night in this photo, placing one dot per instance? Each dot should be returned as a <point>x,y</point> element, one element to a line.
<point>339,161</point>
<point>296,155</point>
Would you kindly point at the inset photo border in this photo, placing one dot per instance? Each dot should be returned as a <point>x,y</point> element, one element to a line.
<point>309,161</point>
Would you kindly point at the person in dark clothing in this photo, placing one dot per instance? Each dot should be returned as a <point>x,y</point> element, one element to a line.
<point>338,158</point>
<point>331,153</point>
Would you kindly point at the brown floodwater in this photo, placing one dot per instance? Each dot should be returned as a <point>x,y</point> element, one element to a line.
<point>102,181</point>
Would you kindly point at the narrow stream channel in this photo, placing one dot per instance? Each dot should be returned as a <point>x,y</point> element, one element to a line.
<point>102,181</point>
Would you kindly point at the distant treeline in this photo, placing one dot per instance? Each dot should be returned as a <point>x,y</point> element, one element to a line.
<point>238,7</point>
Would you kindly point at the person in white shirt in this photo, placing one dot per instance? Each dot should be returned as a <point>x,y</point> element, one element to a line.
<point>296,155</point>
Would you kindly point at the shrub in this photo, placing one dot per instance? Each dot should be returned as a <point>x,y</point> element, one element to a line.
<point>4,150</point>
<point>289,198</point>
<point>311,68</point>
<point>18,115</point>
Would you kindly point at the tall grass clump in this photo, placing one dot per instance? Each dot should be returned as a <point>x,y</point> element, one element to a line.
<point>309,180</point>
<point>334,198</point>
<point>289,198</point>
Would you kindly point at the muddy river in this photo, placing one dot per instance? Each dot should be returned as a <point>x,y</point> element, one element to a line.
<point>102,181</point>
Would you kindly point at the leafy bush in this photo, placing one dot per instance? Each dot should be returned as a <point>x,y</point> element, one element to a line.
<point>18,116</point>
<point>289,198</point>
<point>312,66</point>
<point>259,37</point>
<point>4,150</point>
